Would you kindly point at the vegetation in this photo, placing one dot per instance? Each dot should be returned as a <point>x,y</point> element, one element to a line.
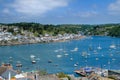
<point>40,29</point>
<point>43,29</point>
<point>62,75</point>
<point>105,30</point>
<point>42,72</point>
<point>115,32</point>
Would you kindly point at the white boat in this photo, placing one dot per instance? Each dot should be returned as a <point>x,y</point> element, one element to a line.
<point>56,50</point>
<point>99,47</point>
<point>113,59</point>
<point>33,60</point>
<point>10,60</point>
<point>96,59</point>
<point>71,59</point>
<point>84,54</point>
<point>75,49</point>
<point>112,46</point>
<point>19,64</point>
<point>32,56</point>
<point>66,54</point>
<point>59,56</point>
<point>75,65</point>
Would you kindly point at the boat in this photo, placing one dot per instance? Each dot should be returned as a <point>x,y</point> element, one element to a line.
<point>32,56</point>
<point>33,59</point>
<point>56,65</point>
<point>75,65</point>
<point>19,64</point>
<point>75,49</point>
<point>80,72</point>
<point>66,54</point>
<point>56,50</point>
<point>33,62</point>
<point>59,56</point>
<point>90,48</point>
<point>49,61</point>
<point>71,59</point>
<point>10,60</point>
<point>96,59</point>
<point>99,47</point>
<point>84,54</point>
<point>112,46</point>
<point>95,52</point>
<point>86,71</point>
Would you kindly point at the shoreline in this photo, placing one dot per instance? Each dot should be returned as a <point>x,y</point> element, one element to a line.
<point>12,43</point>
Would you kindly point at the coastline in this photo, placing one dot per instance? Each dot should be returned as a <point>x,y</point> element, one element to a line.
<point>12,43</point>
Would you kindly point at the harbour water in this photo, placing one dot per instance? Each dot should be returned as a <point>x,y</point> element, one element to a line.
<point>65,56</point>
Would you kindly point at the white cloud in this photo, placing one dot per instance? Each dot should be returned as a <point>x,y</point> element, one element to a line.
<point>37,7</point>
<point>86,14</point>
<point>114,8</point>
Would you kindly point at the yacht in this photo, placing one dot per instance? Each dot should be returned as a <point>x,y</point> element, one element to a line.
<point>66,54</point>
<point>71,59</point>
<point>19,64</point>
<point>33,59</point>
<point>75,49</point>
<point>59,56</point>
<point>49,61</point>
<point>10,60</point>
<point>112,46</point>
<point>32,56</point>
<point>75,65</point>
<point>99,47</point>
<point>90,48</point>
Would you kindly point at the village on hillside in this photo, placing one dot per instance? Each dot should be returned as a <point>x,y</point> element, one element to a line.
<point>27,37</point>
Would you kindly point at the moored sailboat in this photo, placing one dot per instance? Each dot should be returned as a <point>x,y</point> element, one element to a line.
<point>99,47</point>
<point>33,59</point>
<point>113,46</point>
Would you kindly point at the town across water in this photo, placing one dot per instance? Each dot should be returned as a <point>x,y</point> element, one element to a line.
<point>96,51</point>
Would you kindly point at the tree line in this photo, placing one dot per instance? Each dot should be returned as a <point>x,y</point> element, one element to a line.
<point>37,28</point>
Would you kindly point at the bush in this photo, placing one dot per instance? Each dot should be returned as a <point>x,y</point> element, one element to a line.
<point>62,75</point>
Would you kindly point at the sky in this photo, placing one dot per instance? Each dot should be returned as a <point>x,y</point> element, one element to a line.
<point>60,11</point>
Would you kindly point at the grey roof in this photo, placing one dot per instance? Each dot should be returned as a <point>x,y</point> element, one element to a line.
<point>6,73</point>
<point>2,70</point>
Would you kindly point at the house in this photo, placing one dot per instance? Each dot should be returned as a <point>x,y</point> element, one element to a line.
<point>7,73</point>
<point>6,70</point>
